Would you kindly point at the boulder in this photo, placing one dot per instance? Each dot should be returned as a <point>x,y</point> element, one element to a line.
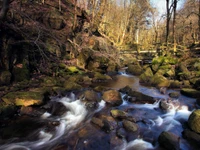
<point>89,95</point>
<point>175,84</point>
<point>118,113</point>
<point>98,77</point>
<point>190,92</point>
<point>159,81</point>
<point>169,141</point>
<point>130,126</point>
<point>27,98</point>
<point>112,97</point>
<point>134,69</point>
<point>194,121</point>
<point>146,76</point>
<point>106,123</point>
<point>174,94</point>
<point>70,86</point>
<point>191,136</point>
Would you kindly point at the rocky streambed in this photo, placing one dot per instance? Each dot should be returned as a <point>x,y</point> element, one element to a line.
<point>125,115</point>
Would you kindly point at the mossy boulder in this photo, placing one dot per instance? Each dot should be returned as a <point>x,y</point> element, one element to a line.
<point>24,98</point>
<point>98,77</point>
<point>70,86</point>
<point>175,84</point>
<point>169,141</point>
<point>194,121</point>
<point>112,97</point>
<point>190,92</point>
<point>159,81</point>
<point>134,69</point>
<point>5,78</point>
<point>130,126</point>
<point>174,94</point>
<point>118,113</point>
<point>146,76</point>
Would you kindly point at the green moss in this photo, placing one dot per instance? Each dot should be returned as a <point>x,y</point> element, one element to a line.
<point>23,98</point>
<point>118,113</point>
<point>194,121</point>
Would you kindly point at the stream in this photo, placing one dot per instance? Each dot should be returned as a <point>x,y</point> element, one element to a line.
<point>73,130</point>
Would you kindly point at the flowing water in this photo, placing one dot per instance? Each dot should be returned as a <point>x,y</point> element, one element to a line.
<point>75,131</point>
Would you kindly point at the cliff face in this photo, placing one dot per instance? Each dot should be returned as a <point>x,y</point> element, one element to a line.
<point>35,34</point>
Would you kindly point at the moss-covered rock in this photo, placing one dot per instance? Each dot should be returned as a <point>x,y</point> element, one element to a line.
<point>174,94</point>
<point>159,81</point>
<point>190,92</point>
<point>98,77</point>
<point>146,76</point>
<point>118,113</point>
<point>175,84</point>
<point>49,81</point>
<point>134,69</point>
<point>70,86</point>
<point>194,121</point>
<point>130,126</point>
<point>24,98</point>
<point>5,78</point>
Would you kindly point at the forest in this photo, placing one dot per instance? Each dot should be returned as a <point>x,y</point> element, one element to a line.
<point>99,74</point>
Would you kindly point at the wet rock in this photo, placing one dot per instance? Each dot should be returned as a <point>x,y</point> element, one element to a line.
<point>191,136</point>
<point>169,104</point>
<point>90,95</point>
<point>112,97</point>
<point>58,109</point>
<point>194,121</point>
<point>169,141</point>
<point>136,96</point>
<point>190,92</point>
<point>130,126</point>
<point>163,90</point>
<point>118,114</point>
<point>103,123</point>
<point>30,111</point>
<point>115,141</point>
<point>126,90</point>
<point>121,133</point>
<point>142,98</point>
<point>174,94</point>
<point>91,105</point>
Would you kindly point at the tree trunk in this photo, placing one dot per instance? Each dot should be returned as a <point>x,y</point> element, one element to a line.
<point>174,24</point>
<point>4,9</point>
<point>167,23</point>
